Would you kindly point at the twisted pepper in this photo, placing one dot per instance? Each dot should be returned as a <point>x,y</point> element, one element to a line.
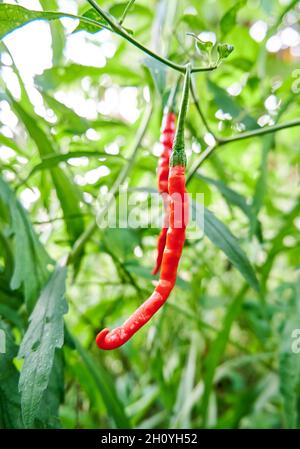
<point>107,339</point>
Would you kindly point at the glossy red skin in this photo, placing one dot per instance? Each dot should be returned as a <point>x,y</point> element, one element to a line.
<point>171,256</point>
<point>167,139</point>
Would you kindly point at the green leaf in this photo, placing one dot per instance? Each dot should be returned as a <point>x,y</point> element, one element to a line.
<point>193,21</point>
<point>54,394</point>
<point>45,333</point>
<point>30,257</point>
<point>6,141</point>
<point>13,17</point>
<point>228,21</point>
<point>89,27</point>
<point>10,410</point>
<point>57,33</point>
<point>228,104</point>
<point>158,72</point>
<point>54,160</point>
<point>67,192</point>
<point>232,197</point>
<point>289,361</point>
<point>221,237</point>
<point>261,183</point>
<point>224,50</point>
<point>65,75</point>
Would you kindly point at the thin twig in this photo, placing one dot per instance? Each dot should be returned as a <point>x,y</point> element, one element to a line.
<point>200,112</point>
<point>115,26</point>
<point>242,136</point>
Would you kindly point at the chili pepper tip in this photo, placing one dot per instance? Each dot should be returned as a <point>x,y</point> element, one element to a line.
<point>101,337</point>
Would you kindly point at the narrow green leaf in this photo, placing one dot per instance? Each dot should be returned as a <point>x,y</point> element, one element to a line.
<point>261,183</point>
<point>158,72</point>
<point>45,333</point>
<point>67,192</point>
<point>64,75</point>
<point>232,197</point>
<point>52,161</point>
<point>289,361</point>
<point>220,236</point>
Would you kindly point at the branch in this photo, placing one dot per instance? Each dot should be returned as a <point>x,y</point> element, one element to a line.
<point>242,136</point>
<point>260,132</point>
<point>200,112</point>
<point>117,28</point>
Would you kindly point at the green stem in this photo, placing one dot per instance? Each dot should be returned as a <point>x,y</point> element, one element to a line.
<point>88,233</point>
<point>115,26</point>
<point>242,136</point>
<point>178,154</point>
<point>126,10</point>
<point>200,112</point>
<point>260,132</point>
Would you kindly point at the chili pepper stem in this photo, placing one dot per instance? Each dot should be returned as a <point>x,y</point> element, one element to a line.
<point>178,156</point>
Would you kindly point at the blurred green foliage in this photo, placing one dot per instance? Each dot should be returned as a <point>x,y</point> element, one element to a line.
<point>220,353</point>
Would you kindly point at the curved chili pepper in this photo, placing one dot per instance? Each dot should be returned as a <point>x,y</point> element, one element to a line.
<point>167,138</point>
<point>107,339</point>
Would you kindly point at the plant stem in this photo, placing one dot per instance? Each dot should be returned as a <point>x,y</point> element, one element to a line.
<point>87,234</point>
<point>242,136</point>
<point>126,10</point>
<point>200,112</point>
<point>178,156</point>
<point>260,132</point>
<point>117,28</point>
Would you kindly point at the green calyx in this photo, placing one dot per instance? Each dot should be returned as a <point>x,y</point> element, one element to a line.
<point>178,156</point>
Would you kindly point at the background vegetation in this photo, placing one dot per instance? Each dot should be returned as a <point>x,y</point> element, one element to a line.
<point>80,113</point>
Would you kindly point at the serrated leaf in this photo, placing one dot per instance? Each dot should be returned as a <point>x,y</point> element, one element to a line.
<point>10,410</point>
<point>231,196</point>
<point>67,192</point>
<point>228,104</point>
<point>220,236</point>
<point>45,333</point>
<point>30,257</point>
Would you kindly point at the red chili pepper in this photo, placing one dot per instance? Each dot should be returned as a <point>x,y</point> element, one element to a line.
<point>167,138</point>
<point>174,244</point>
